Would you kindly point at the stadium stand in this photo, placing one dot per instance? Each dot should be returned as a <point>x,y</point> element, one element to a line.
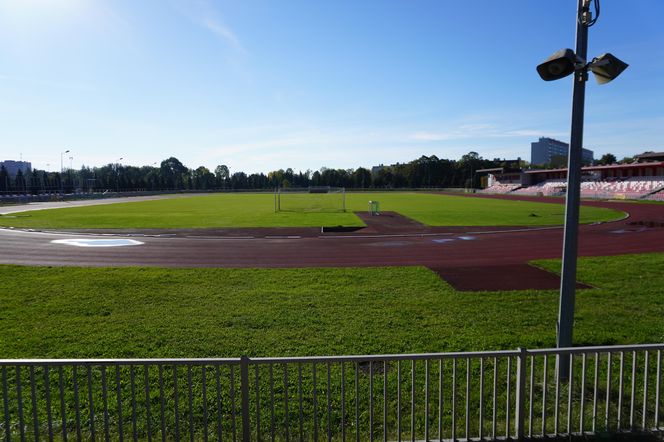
<point>629,188</point>
<point>500,188</point>
<point>552,187</point>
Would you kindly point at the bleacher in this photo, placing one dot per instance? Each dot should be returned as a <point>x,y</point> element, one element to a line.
<point>628,188</point>
<point>500,188</point>
<point>645,187</point>
<point>553,187</point>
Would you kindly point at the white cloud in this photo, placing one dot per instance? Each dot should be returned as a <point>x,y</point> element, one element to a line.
<point>204,13</point>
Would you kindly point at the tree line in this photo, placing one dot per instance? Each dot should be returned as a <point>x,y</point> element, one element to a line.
<point>171,174</point>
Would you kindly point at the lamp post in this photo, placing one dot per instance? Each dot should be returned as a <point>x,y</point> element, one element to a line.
<point>117,174</point>
<point>62,169</point>
<point>559,65</point>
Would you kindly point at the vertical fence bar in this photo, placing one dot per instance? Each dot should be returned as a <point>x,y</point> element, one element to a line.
<point>454,385</point>
<point>162,404</point>
<point>300,400</point>
<point>33,397</point>
<point>286,409</point>
<point>620,390</point>
<point>258,402</point>
<point>91,403</point>
<point>507,397</point>
<point>5,404</point>
<point>556,404</point>
<point>495,398</point>
<point>315,401</point>
<point>104,398</point>
<point>426,400</point>
<point>595,387</point>
<point>63,409</point>
<point>481,412</point>
<point>272,419</point>
<point>244,393</point>
<point>329,404</point>
<point>118,387</point>
<point>205,404</point>
<point>176,400</point>
<point>658,387</point>
<point>520,393</point>
<point>399,400</point>
<point>468,364</point>
<point>357,401</point>
<point>19,398</point>
<point>545,388</point>
<point>132,381</point>
<point>233,403</point>
<point>49,414</point>
<point>343,401</point>
<point>148,414</point>
<point>582,408</point>
<point>371,410</point>
<point>608,391</point>
<point>440,400</point>
<point>632,395</point>
<point>384,401</point>
<point>644,414</point>
<point>412,401</point>
<point>531,388</point>
<point>190,404</point>
<point>570,392</point>
<point>217,379</point>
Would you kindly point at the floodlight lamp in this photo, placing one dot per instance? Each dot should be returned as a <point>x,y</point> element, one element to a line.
<point>606,67</point>
<point>559,65</point>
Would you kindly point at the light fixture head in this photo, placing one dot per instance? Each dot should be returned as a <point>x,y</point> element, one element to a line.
<point>606,67</point>
<point>559,65</point>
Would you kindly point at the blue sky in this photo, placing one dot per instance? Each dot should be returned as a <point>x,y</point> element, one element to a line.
<point>262,85</point>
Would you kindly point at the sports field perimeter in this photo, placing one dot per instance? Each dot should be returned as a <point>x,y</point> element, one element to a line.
<point>257,210</point>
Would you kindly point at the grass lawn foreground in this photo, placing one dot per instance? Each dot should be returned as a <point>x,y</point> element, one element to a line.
<point>257,210</point>
<point>151,312</point>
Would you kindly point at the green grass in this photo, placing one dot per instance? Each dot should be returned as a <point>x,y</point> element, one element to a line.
<point>257,210</point>
<point>151,312</point>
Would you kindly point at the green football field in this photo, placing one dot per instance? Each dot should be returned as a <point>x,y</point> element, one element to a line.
<point>257,210</point>
<point>152,312</point>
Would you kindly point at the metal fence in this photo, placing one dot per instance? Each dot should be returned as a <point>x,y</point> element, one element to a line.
<point>447,396</point>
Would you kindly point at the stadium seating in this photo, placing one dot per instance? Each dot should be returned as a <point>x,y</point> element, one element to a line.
<point>547,188</point>
<point>500,188</point>
<point>629,188</point>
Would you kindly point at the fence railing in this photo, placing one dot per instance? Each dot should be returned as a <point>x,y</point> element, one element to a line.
<point>446,396</point>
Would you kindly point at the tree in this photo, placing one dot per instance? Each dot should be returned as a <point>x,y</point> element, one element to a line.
<point>4,179</point>
<point>172,170</point>
<point>607,158</point>
<point>221,172</point>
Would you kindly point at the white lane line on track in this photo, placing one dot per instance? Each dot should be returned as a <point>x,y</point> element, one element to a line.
<point>391,235</point>
<point>80,242</point>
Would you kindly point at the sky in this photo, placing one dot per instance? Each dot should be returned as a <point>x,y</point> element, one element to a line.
<point>260,85</point>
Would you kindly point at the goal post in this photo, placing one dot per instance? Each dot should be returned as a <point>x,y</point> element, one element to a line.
<point>310,199</point>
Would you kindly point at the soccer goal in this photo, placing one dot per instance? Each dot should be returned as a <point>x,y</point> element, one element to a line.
<point>310,199</point>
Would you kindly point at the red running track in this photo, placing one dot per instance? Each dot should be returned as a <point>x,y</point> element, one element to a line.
<point>468,258</point>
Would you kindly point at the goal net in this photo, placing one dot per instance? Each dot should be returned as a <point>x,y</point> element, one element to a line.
<point>310,199</point>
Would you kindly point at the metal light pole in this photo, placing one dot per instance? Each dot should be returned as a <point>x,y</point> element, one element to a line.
<point>606,68</point>
<point>117,175</point>
<point>62,169</point>
<point>572,200</point>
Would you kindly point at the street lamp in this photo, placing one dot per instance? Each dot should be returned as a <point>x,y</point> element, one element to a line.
<point>62,169</point>
<point>117,175</point>
<point>605,68</point>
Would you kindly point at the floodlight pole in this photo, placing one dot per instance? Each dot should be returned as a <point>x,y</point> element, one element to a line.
<point>572,200</point>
